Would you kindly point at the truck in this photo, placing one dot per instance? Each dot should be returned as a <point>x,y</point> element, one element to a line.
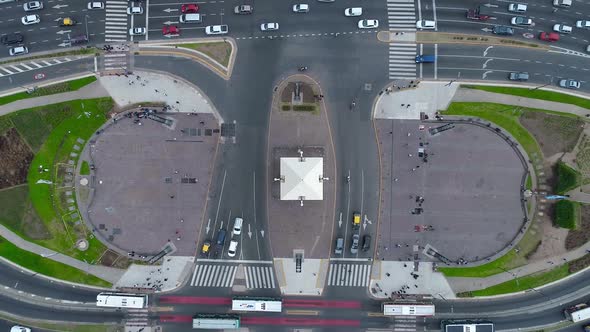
<point>480,13</point>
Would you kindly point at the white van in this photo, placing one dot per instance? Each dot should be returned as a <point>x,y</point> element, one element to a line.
<point>233,248</point>
<point>191,18</point>
<point>238,226</point>
<point>562,3</point>
<point>19,50</point>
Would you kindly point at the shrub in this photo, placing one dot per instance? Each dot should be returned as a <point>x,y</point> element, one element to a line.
<point>286,107</point>
<point>308,108</point>
<point>565,214</point>
<point>567,178</point>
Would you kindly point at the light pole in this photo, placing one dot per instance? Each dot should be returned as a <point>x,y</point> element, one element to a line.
<point>86,23</point>
<point>446,301</point>
<point>512,274</point>
<point>544,85</point>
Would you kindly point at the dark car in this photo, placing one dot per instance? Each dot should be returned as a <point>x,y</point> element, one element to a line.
<point>221,237</point>
<point>366,242</point>
<point>519,76</point>
<point>79,39</point>
<point>503,30</point>
<point>12,38</point>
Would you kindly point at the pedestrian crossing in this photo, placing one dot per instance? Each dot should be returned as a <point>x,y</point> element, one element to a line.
<point>16,68</point>
<point>351,274</point>
<point>401,17</point>
<point>115,26</point>
<point>115,61</point>
<point>137,317</point>
<point>405,324</point>
<point>224,275</point>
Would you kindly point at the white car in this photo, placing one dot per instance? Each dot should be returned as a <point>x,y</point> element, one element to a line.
<point>368,24</point>
<point>562,28</point>
<point>30,19</point>
<point>137,32</point>
<point>517,8</point>
<point>355,11</point>
<point>135,10</point>
<point>426,25</point>
<point>301,8</point>
<point>18,50</point>
<point>233,248</point>
<point>569,84</point>
<point>18,328</point>
<point>238,226</point>
<point>521,20</point>
<point>33,5</point>
<point>583,24</point>
<point>95,5</point>
<point>220,29</point>
<point>269,26</point>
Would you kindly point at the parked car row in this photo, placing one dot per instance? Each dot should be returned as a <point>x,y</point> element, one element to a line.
<point>220,240</point>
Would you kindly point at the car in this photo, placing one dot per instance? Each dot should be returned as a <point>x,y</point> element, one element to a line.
<point>30,19</point>
<point>12,38</point>
<point>569,84</point>
<point>588,49</point>
<point>95,5</point>
<point>519,76</point>
<point>300,8</point>
<point>368,24</point>
<point>269,26</point>
<point>67,22</point>
<point>339,246</point>
<point>137,32</point>
<point>18,328</point>
<point>354,247</point>
<point>354,11</point>
<point>189,8</point>
<point>356,220</point>
<point>583,24</point>
<point>205,248</point>
<point>238,226</point>
<point>32,6</point>
<point>18,50</point>
<point>549,36</point>
<point>517,8</point>
<point>233,248</point>
<point>79,39</point>
<point>220,29</point>
<point>426,25</point>
<point>366,242</point>
<point>243,9</point>
<point>502,30</point>
<point>562,28</point>
<point>562,3</point>
<point>221,237</point>
<point>170,31</point>
<point>521,20</point>
<point>135,10</point>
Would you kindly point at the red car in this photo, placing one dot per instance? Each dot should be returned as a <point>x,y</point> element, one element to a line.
<point>170,30</point>
<point>189,8</point>
<point>549,36</point>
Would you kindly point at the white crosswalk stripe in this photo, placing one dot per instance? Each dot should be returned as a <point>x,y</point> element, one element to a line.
<point>214,275</point>
<point>351,274</point>
<point>116,19</point>
<point>401,16</point>
<point>405,324</point>
<point>260,277</point>
<point>137,317</point>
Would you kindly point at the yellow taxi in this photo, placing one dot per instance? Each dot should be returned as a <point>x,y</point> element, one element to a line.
<point>356,220</point>
<point>67,22</point>
<point>206,247</point>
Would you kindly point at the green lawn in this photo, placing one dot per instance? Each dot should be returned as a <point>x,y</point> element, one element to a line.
<point>85,168</point>
<point>525,282</point>
<point>46,266</point>
<point>535,94</point>
<point>73,85</point>
<point>220,51</point>
<point>529,182</point>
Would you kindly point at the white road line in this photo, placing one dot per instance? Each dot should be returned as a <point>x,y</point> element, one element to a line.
<point>36,64</point>
<point>6,70</point>
<point>28,68</point>
<point>435,59</point>
<point>16,68</point>
<point>255,219</point>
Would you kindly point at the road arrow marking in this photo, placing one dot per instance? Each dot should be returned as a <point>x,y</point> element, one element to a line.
<point>208,227</point>
<point>368,221</point>
<point>340,221</point>
<point>486,63</point>
<point>221,227</point>
<point>485,53</point>
<point>169,22</point>
<point>57,19</point>
<point>262,233</point>
<point>249,232</point>
<point>168,10</point>
<point>61,32</point>
<point>59,6</point>
<point>489,5</point>
<point>486,74</point>
<point>486,30</point>
<point>64,44</point>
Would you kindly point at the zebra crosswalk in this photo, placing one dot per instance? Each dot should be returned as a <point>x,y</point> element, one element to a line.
<point>115,26</point>
<point>137,317</point>
<point>401,17</point>
<point>405,324</point>
<point>349,274</point>
<point>224,275</point>
<point>16,68</point>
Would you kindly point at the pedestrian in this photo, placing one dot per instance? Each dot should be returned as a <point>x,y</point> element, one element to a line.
<point>388,274</point>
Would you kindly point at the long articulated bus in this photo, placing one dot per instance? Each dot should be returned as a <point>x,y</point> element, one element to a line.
<point>263,304</point>
<point>216,321</point>
<point>578,313</point>
<point>122,300</point>
<point>408,309</point>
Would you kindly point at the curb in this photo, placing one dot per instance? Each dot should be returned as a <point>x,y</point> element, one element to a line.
<point>48,83</point>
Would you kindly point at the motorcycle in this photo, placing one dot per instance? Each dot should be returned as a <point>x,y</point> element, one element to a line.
<point>303,68</point>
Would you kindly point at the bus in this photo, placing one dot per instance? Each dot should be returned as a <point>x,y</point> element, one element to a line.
<point>122,300</point>
<point>466,326</point>
<point>216,321</point>
<point>264,304</point>
<point>578,313</point>
<point>408,309</point>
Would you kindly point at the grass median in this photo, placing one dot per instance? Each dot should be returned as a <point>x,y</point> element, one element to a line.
<point>535,94</point>
<point>69,86</point>
<point>219,51</point>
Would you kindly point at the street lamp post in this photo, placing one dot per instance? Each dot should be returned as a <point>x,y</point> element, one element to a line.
<point>512,274</point>
<point>544,85</point>
<point>446,301</point>
<point>86,23</point>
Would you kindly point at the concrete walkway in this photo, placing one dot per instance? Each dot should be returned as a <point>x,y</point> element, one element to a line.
<point>109,274</point>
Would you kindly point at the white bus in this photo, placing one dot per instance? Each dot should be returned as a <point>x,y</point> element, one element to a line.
<point>578,313</point>
<point>265,304</point>
<point>122,300</point>
<point>408,309</point>
<point>216,321</point>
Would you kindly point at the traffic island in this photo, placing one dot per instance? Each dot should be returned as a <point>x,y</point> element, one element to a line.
<point>301,186</point>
